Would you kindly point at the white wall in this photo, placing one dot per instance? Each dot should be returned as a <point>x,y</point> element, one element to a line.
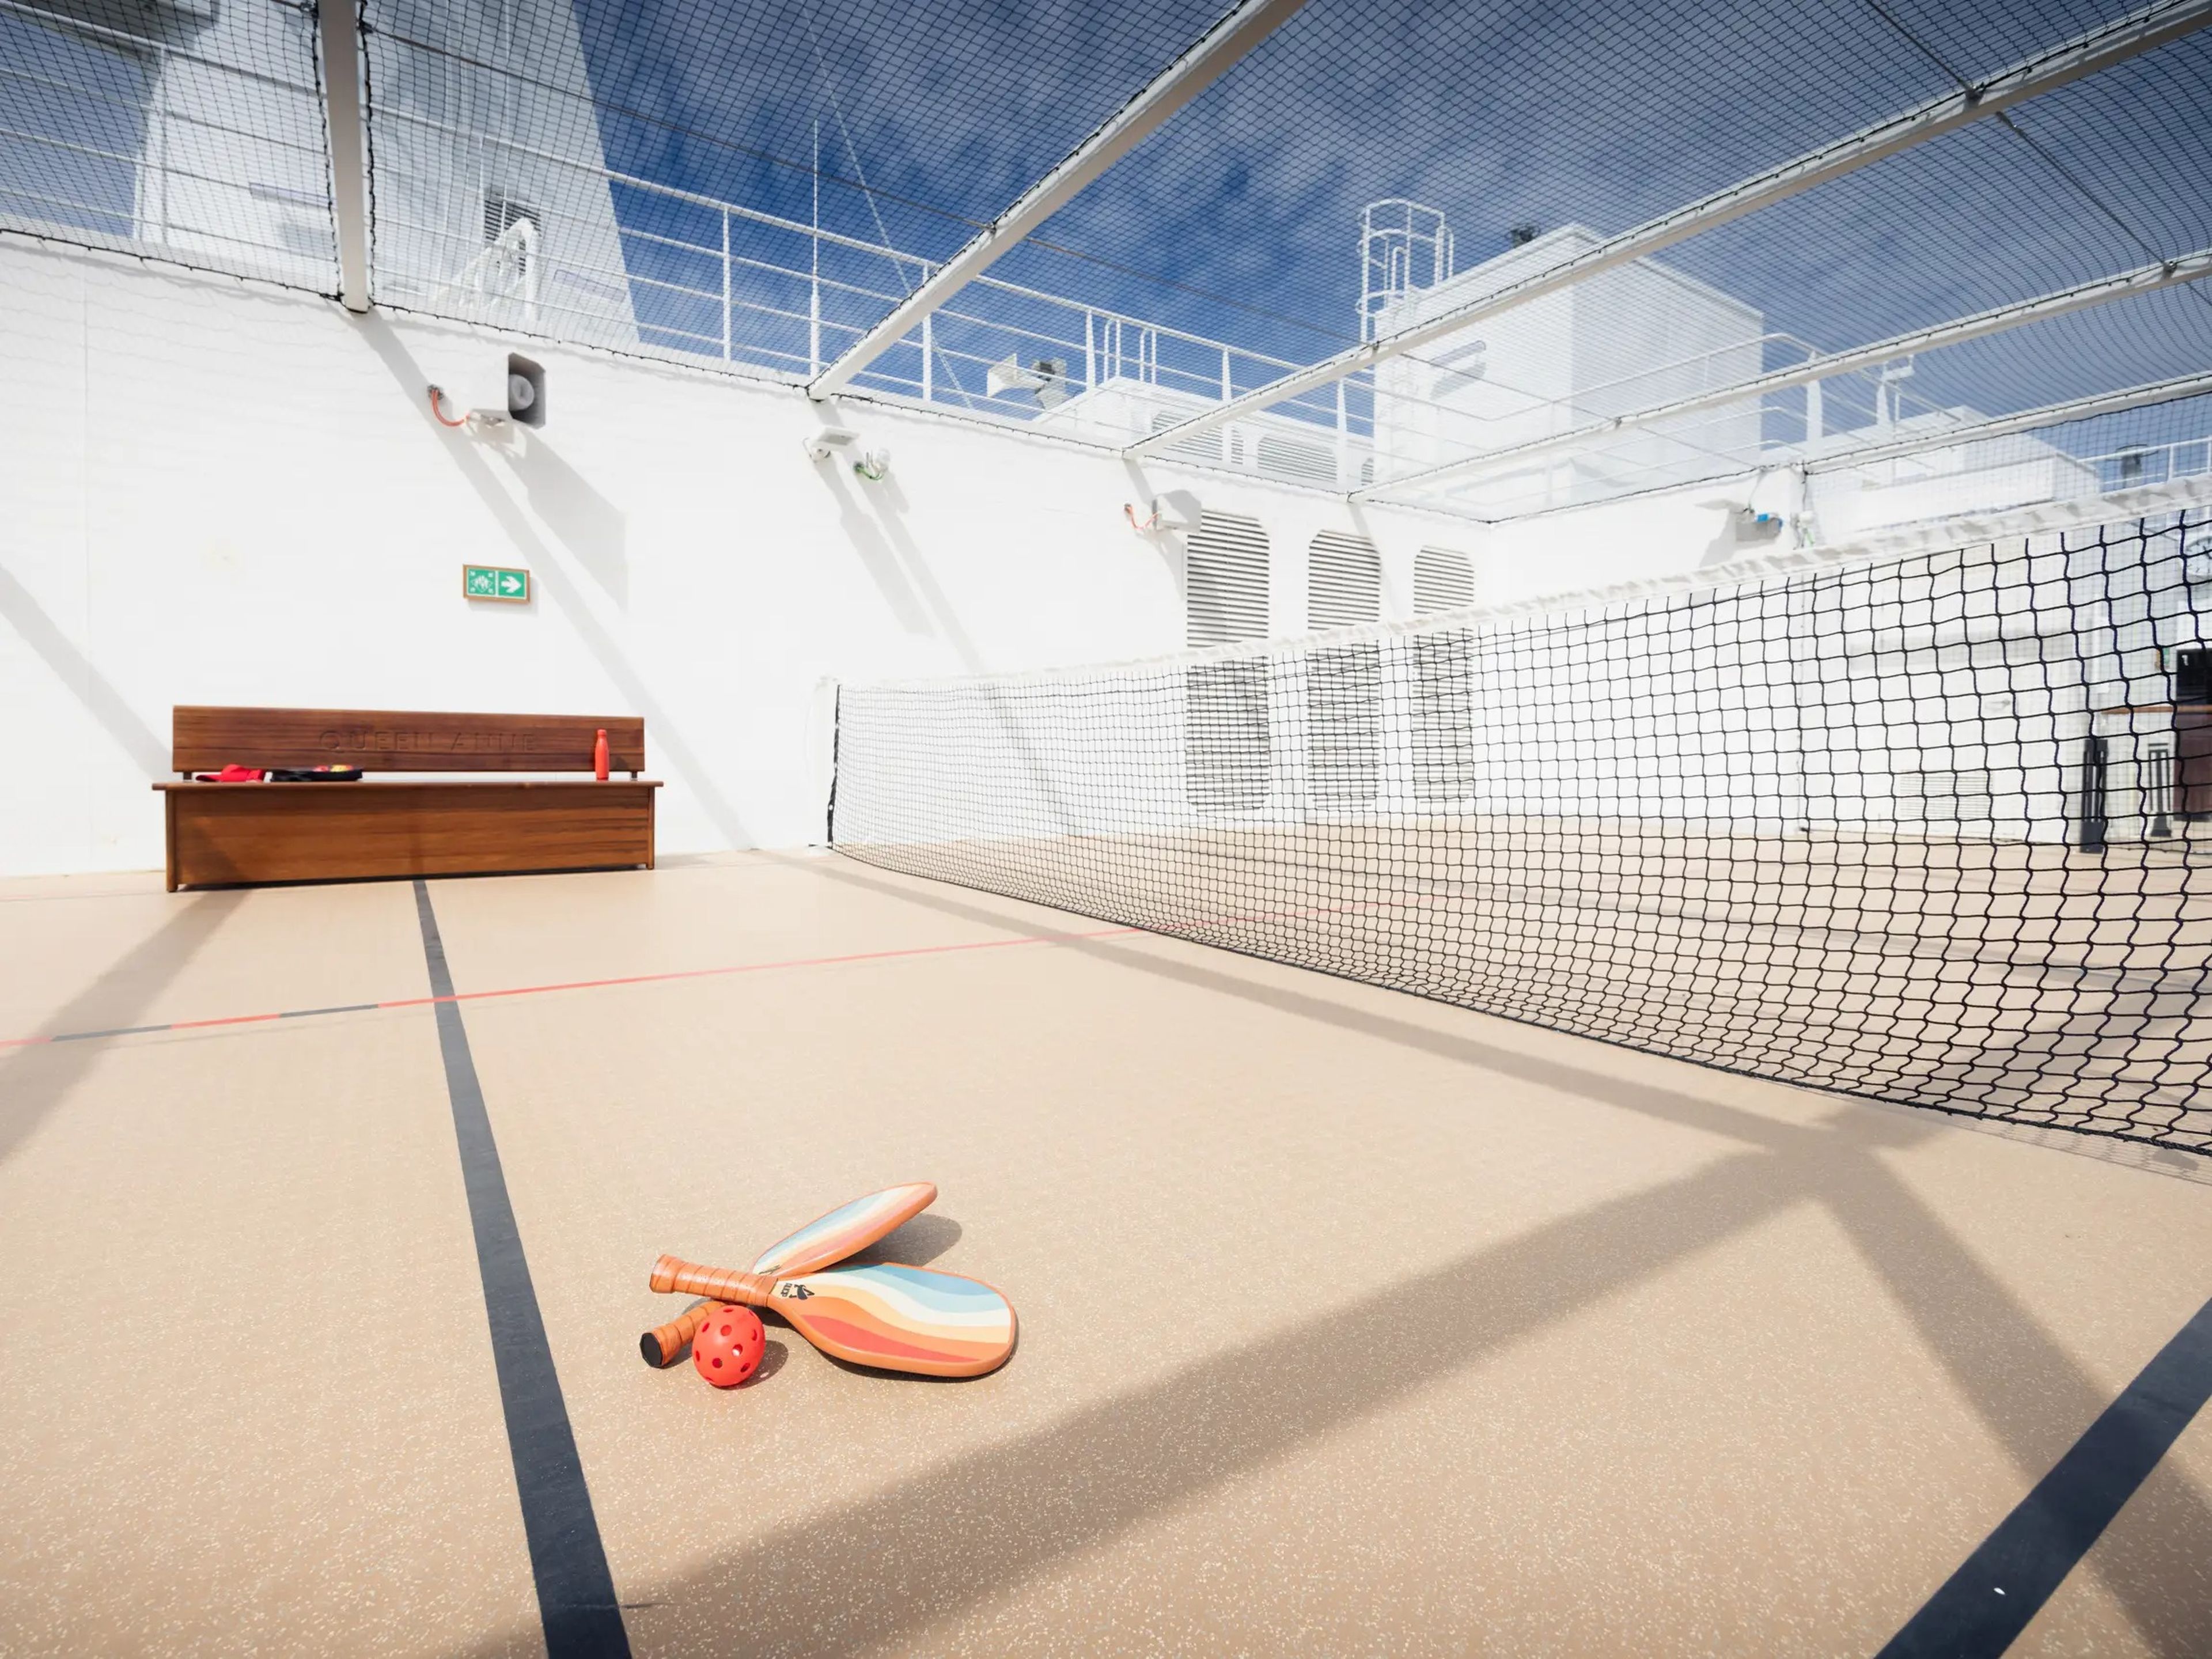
<point>215,493</point>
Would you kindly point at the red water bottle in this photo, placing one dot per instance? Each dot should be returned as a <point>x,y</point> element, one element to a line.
<point>599,755</point>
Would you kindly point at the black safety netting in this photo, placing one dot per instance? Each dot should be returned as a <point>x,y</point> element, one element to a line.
<point>189,130</point>
<point>757,188</point>
<point>1932,831</point>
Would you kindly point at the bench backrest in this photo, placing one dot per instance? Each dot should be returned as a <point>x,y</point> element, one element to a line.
<point>203,739</point>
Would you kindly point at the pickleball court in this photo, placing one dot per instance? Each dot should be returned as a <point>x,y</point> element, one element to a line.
<point>1190,830</point>
<point>1350,1321</point>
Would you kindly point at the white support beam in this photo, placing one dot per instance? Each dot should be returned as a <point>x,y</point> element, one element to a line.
<point>2028,420</point>
<point>1221,46</point>
<point>336,21</point>
<point>2099,49</point>
<point>2144,279</point>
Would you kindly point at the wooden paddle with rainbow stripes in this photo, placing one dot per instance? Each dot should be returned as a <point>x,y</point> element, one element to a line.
<point>846,1230</point>
<point>891,1317</point>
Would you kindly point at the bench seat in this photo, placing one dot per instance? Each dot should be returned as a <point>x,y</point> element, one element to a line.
<point>239,834</point>
<point>226,835</point>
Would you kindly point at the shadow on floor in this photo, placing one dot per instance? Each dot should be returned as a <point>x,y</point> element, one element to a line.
<point>34,1080</point>
<point>967,1530</point>
<point>941,1541</point>
<point>915,1245</point>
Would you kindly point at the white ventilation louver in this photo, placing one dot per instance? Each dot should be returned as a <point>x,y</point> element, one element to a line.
<point>1225,581</point>
<point>1443,580</point>
<point>1344,581</point>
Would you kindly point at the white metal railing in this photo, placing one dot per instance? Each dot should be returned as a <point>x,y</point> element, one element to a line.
<point>709,293</point>
<point>687,274</point>
<point>718,288</point>
<point>1855,406</point>
<point>2152,464</point>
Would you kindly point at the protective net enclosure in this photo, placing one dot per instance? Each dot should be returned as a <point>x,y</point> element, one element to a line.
<point>1903,259</point>
<point>1930,831</point>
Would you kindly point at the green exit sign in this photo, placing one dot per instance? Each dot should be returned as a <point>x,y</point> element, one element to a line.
<point>491,581</point>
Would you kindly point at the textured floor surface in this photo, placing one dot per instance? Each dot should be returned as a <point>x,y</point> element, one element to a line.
<point>1351,1323</point>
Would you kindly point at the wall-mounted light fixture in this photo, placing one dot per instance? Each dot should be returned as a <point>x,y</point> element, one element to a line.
<point>829,441</point>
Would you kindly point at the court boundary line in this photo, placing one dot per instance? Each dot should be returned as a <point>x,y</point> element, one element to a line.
<point>2129,1152</point>
<point>1986,1606</point>
<point>577,1605</point>
<point>449,995</point>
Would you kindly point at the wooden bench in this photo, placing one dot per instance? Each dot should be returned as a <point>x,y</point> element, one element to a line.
<point>224,835</point>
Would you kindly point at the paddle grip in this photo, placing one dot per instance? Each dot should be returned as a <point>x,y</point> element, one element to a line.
<point>720,1284</point>
<point>664,1345</point>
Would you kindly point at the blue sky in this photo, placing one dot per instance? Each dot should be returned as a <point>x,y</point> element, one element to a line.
<point>1238,220</point>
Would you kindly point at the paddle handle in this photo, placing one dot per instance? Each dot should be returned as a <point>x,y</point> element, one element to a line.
<point>664,1345</point>
<point>717,1284</point>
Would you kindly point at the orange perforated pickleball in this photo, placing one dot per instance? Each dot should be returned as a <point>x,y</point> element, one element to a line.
<point>728,1346</point>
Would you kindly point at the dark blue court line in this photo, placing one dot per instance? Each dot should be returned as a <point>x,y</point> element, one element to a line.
<point>120,1030</point>
<point>2005,1583</point>
<point>575,1589</point>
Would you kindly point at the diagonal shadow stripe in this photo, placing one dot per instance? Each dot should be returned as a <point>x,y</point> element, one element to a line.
<point>668,738</point>
<point>34,1081</point>
<point>887,1566</point>
<point>74,668</point>
<point>2026,1387</point>
<point>2032,1393</point>
<point>1688,1111</point>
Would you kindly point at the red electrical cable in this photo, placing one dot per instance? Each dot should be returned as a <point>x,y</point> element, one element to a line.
<point>436,393</point>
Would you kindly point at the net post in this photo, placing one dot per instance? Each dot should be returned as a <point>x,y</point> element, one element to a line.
<point>836,728</point>
<point>2094,756</point>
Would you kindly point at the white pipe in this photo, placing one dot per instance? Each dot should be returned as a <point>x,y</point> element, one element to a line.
<point>2099,49</point>
<point>336,23</point>
<point>1221,46</point>
<point>2005,426</point>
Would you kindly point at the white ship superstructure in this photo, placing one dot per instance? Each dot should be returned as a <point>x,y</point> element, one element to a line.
<point>491,203</point>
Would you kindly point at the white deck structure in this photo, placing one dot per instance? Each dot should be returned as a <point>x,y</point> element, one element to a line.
<point>184,457</point>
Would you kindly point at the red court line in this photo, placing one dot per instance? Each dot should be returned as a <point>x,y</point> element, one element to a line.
<point>695,972</point>
<point>578,985</point>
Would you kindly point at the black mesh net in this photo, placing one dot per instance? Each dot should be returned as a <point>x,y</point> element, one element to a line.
<point>1929,831</point>
<point>751,188</point>
<point>1504,144</point>
<point>190,130</point>
<point>755,188</point>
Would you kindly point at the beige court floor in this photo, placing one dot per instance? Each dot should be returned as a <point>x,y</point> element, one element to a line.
<point>1351,1323</point>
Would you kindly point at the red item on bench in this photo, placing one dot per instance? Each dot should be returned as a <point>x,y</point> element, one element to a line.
<point>231,774</point>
